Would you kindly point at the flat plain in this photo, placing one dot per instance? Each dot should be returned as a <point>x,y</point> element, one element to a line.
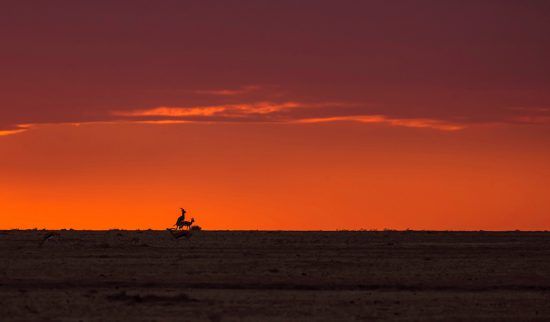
<point>275,275</point>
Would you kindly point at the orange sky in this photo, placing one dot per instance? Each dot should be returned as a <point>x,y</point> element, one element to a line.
<point>282,176</point>
<point>280,114</point>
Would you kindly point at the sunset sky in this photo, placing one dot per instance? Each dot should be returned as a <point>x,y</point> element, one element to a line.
<point>280,114</point>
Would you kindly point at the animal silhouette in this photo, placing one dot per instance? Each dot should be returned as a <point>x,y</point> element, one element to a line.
<point>187,224</point>
<point>181,219</point>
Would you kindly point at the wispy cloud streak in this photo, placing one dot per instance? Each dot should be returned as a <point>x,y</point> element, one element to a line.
<point>18,129</point>
<point>230,110</point>
<point>290,112</point>
<point>264,109</point>
<point>413,122</point>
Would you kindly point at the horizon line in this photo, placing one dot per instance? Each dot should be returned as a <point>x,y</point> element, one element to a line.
<point>280,230</point>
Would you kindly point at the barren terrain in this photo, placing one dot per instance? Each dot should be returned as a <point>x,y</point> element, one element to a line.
<point>283,276</point>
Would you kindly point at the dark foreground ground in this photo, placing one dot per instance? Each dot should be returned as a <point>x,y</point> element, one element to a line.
<point>283,276</point>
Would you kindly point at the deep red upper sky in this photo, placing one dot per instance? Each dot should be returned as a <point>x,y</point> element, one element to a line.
<point>456,61</point>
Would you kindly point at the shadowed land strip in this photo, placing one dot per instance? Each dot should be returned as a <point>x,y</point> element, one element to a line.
<point>29,284</point>
<point>149,298</point>
<point>336,276</point>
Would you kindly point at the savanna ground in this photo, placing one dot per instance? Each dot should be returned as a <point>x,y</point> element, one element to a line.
<point>283,276</point>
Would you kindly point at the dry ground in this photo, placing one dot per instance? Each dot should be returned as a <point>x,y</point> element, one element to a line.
<point>283,276</point>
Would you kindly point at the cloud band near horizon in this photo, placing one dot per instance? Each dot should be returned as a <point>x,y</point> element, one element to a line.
<point>292,112</point>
